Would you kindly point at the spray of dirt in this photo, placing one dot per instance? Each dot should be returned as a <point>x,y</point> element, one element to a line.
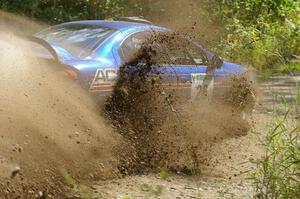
<point>162,132</point>
<point>138,107</point>
<point>47,123</point>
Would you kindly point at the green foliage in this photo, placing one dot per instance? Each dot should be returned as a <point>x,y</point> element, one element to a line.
<point>297,103</point>
<point>82,191</point>
<point>69,179</point>
<point>251,10</point>
<point>263,45</point>
<point>277,173</point>
<point>57,11</point>
<point>152,190</point>
<point>261,33</point>
<point>287,68</point>
<point>164,174</point>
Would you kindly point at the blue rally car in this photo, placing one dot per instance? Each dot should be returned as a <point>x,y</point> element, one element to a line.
<point>93,51</point>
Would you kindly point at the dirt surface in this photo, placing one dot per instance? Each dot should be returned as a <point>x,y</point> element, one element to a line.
<point>278,88</point>
<point>224,173</point>
<point>228,175</point>
<point>175,187</point>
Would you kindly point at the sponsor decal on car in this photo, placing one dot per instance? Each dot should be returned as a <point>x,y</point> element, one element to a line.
<point>197,82</point>
<point>103,80</point>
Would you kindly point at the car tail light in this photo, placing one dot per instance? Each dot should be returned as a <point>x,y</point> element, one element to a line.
<point>72,73</point>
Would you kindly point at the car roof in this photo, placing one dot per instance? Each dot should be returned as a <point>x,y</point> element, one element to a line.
<point>117,25</point>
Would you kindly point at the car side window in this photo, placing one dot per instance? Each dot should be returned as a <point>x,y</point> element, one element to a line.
<point>184,52</point>
<point>176,51</point>
<point>132,44</point>
<point>177,54</point>
<point>198,55</point>
<point>179,51</point>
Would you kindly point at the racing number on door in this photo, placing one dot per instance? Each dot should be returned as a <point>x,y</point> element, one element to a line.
<point>197,82</point>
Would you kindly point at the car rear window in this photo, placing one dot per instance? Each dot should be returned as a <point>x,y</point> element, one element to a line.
<point>78,39</point>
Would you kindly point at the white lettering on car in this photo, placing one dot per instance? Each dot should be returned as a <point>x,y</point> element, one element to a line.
<point>103,77</point>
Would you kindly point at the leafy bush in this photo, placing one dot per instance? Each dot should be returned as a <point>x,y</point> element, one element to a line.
<point>262,47</point>
<point>261,33</point>
<point>57,11</point>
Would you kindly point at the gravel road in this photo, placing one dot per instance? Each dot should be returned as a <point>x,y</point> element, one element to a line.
<point>228,178</point>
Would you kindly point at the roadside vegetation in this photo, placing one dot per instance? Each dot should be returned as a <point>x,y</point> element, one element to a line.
<point>277,174</point>
<point>264,34</point>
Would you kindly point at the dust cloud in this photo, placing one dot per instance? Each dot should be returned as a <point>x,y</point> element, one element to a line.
<point>189,17</point>
<point>47,122</point>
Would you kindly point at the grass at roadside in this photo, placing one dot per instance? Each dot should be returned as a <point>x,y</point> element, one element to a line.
<point>280,69</point>
<point>80,191</point>
<point>277,173</point>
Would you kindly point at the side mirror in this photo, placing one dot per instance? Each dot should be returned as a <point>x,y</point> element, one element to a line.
<point>216,61</point>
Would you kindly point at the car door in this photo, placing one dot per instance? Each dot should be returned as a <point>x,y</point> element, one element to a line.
<point>182,64</point>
